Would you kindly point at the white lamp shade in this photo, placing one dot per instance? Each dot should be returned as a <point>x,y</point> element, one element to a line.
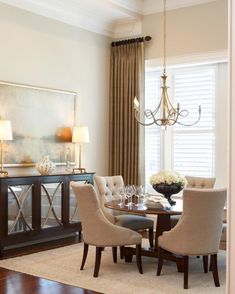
<point>81,135</point>
<point>5,130</point>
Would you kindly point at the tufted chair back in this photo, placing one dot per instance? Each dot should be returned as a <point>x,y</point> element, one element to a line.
<point>108,190</point>
<point>200,183</point>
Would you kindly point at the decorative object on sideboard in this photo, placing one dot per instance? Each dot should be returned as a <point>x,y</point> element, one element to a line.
<point>5,135</point>
<point>68,160</point>
<point>168,183</point>
<point>80,135</point>
<point>45,166</point>
<point>170,115</point>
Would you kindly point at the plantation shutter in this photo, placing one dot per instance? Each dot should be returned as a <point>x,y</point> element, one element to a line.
<point>193,147</point>
<point>152,133</point>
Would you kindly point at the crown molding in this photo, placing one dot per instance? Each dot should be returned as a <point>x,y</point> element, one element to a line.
<point>85,20</point>
<point>153,6</point>
<point>105,17</point>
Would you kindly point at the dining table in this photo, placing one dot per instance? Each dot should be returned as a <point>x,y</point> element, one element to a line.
<point>163,223</point>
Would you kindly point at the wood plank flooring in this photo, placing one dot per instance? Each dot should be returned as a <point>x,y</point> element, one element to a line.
<point>18,283</point>
<point>12,282</point>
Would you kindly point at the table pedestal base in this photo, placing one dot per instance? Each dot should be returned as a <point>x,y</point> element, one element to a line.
<point>163,224</point>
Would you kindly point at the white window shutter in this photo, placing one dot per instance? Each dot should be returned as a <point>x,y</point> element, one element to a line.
<point>193,147</point>
<point>152,133</point>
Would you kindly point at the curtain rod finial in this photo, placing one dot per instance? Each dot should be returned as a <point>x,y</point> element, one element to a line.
<point>148,38</point>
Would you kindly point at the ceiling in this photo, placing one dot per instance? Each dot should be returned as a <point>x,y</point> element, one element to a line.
<point>100,16</point>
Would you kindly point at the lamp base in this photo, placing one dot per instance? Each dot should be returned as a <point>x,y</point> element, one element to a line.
<point>3,173</point>
<point>80,170</point>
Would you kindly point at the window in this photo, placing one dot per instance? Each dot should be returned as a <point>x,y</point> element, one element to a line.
<point>193,147</point>
<point>152,133</point>
<point>188,150</point>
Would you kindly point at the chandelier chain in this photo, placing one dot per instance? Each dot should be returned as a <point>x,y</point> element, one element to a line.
<point>164,37</point>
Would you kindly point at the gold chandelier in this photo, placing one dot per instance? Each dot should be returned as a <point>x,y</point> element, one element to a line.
<point>170,114</point>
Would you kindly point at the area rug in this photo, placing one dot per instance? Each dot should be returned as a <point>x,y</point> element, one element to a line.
<point>62,265</point>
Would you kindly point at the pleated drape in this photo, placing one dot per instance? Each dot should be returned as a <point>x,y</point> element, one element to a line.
<point>126,82</point>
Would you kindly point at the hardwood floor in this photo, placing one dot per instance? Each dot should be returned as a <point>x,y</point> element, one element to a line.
<point>18,283</point>
<point>13,282</point>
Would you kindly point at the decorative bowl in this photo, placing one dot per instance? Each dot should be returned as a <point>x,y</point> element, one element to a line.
<point>167,190</point>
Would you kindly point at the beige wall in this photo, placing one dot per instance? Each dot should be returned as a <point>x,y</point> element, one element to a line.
<point>38,51</point>
<point>200,28</point>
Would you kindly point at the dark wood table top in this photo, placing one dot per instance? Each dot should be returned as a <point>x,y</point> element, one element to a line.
<point>143,209</point>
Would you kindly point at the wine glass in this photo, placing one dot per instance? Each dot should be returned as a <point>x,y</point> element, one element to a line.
<point>129,193</point>
<point>140,191</point>
<point>122,194</point>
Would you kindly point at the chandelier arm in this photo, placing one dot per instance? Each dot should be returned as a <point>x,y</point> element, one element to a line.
<point>158,107</point>
<point>158,122</point>
<point>169,101</point>
<point>175,114</point>
<point>144,124</point>
<point>192,124</point>
<point>181,113</point>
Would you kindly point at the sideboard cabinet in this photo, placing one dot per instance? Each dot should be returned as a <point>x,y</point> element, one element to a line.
<point>37,208</point>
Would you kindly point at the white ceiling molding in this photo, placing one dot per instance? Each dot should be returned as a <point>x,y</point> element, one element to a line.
<point>133,5</point>
<point>153,6</point>
<point>125,29</point>
<point>107,17</point>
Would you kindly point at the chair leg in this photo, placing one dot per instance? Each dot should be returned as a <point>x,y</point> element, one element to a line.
<point>121,252</point>
<point>210,268</point>
<point>205,263</point>
<point>114,251</point>
<point>151,237</point>
<point>214,269</point>
<point>185,272</point>
<point>160,261</point>
<point>138,258</point>
<point>97,261</point>
<point>85,251</point>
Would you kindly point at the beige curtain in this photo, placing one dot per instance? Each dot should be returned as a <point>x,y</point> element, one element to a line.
<point>126,82</point>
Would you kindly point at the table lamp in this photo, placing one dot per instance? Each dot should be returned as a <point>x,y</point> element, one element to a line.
<point>80,135</point>
<point>5,135</point>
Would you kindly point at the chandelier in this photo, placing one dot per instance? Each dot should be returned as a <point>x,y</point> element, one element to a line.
<point>170,115</point>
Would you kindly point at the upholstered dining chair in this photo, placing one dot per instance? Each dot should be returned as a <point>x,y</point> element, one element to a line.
<point>198,230</point>
<point>108,190</point>
<point>202,183</point>
<point>198,183</point>
<point>98,231</point>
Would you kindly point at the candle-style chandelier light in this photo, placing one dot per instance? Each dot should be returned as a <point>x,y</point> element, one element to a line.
<point>170,115</point>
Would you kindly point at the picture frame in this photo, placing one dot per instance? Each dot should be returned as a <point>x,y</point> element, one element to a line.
<point>42,122</point>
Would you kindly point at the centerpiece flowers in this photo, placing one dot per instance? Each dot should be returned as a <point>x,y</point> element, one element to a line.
<point>168,183</point>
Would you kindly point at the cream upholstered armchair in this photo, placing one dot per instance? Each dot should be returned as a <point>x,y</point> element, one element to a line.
<point>98,231</point>
<point>191,236</point>
<point>108,190</point>
<point>195,182</point>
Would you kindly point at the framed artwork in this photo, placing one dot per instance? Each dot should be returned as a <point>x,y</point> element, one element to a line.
<point>42,120</point>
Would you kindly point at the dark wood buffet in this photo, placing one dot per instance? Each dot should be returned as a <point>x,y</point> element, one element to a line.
<point>37,208</point>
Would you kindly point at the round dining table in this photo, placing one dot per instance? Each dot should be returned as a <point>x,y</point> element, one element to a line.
<point>163,223</point>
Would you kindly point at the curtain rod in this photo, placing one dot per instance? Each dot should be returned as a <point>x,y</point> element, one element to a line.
<point>129,41</point>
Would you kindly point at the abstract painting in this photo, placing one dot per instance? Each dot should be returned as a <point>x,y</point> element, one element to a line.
<point>42,120</point>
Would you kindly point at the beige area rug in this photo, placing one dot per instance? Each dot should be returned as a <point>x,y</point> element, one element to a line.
<point>63,265</point>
